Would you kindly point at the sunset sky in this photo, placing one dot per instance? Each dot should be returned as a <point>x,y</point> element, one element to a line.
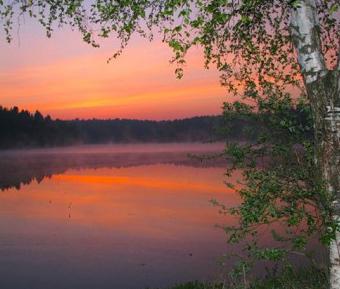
<point>66,78</point>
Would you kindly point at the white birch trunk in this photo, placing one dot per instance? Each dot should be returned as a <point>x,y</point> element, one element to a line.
<point>304,23</point>
<point>323,89</point>
<point>335,245</point>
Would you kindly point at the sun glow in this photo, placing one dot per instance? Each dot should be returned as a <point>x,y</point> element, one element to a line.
<point>67,79</point>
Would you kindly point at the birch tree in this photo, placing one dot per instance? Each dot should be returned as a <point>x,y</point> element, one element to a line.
<point>267,52</point>
<point>323,90</point>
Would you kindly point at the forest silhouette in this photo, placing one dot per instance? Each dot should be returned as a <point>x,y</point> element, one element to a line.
<point>22,129</point>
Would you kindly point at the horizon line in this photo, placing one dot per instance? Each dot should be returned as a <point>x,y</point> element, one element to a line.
<point>105,119</point>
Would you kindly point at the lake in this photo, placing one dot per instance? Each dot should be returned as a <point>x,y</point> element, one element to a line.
<point>115,216</point>
<point>119,216</point>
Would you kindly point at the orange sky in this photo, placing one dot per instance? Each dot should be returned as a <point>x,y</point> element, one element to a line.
<point>66,78</point>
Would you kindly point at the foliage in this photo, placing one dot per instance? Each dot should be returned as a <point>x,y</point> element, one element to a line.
<point>197,285</point>
<point>231,33</point>
<point>306,278</point>
<point>281,188</point>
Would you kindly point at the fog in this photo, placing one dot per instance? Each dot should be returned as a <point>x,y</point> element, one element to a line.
<point>18,167</point>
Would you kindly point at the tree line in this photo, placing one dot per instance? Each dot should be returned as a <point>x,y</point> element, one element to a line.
<point>21,128</point>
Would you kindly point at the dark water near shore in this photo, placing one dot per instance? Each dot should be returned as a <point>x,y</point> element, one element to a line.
<point>122,217</point>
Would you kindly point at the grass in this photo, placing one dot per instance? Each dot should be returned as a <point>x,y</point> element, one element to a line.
<point>309,278</point>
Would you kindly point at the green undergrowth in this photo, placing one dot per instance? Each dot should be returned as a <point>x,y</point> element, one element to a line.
<point>310,278</point>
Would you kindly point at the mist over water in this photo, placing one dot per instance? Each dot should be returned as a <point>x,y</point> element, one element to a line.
<point>19,167</point>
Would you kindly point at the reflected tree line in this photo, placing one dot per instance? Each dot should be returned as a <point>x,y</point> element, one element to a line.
<point>21,168</point>
<point>20,129</point>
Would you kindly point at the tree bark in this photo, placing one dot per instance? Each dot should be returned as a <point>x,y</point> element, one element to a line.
<point>323,90</point>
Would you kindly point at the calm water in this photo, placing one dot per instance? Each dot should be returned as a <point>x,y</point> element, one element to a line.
<point>119,216</point>
<point>110,217</point>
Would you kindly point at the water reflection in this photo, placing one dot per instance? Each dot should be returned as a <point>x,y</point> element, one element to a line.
<point>21,167</point>
<point>108,219</point>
